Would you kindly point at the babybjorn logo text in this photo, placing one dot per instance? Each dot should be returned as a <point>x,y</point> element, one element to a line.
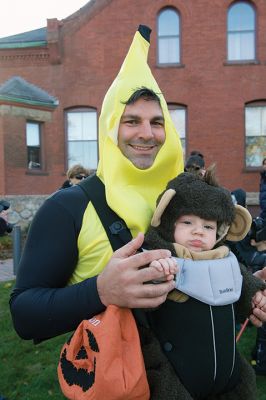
<point>227,290</point>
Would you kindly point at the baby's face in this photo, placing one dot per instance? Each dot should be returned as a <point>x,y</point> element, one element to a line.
<point>195,233</point>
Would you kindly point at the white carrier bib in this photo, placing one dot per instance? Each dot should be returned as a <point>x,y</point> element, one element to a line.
<point>216,282</point>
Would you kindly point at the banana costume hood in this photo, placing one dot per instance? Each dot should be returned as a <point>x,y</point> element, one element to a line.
<point>132,192</point>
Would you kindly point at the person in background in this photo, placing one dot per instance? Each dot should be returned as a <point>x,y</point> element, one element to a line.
<point>5,226</point>
<point>251,251</point>
<point>74,175</point>
<point>262,195</point>
<point>195,163</point>
<point>258,262</point>
<point>239,197</point>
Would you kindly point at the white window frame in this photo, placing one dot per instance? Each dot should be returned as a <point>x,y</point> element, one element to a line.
<point>178,114</point>
<point>237,37</point>
<point>168,42</point>
<point>255,134</point>
<point>82,137</point>
<point>33,143</point>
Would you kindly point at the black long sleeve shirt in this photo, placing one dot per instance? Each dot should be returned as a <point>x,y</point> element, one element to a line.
<point>41,304</point>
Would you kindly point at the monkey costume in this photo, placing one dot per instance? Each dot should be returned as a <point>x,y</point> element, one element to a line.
<point>188,345</point>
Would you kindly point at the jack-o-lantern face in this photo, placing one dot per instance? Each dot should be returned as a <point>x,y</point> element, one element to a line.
<point>108,368</point>
<point>81,371</point>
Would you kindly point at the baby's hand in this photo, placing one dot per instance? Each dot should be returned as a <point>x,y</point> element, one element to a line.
<point>167,266</point>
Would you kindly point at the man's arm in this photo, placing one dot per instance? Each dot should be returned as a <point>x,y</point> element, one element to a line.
<point>41,304</point>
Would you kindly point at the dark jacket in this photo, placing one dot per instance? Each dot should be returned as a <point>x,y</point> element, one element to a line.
<point>248,254</point>
<point>263,194</point>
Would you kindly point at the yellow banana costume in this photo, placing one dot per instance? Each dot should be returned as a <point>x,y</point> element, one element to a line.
<point>130,192</point>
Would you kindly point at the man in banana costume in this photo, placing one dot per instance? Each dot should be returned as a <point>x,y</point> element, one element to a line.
<point>68,271</point>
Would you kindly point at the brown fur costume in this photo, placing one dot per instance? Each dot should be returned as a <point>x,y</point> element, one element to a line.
<point>191,195</point>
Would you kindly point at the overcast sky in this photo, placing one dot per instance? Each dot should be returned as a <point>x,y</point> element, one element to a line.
<point>17,16</point>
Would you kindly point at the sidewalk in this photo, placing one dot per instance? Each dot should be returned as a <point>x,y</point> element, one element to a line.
<point>6,270</point>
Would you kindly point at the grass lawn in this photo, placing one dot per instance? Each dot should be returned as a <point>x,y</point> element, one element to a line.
<point>28,372</point>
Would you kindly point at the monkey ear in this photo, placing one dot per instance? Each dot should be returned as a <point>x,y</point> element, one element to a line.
<point>240,225</point>
<point>163,203</point>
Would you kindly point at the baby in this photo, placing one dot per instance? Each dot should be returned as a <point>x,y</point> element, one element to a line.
<point>196,325</point>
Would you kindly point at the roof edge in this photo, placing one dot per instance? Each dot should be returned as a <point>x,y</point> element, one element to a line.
<point>29,102</point>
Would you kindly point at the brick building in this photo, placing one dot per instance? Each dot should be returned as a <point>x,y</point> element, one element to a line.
<point>209,58</point>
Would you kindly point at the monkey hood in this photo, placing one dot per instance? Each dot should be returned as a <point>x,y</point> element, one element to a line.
<point>132,192</point>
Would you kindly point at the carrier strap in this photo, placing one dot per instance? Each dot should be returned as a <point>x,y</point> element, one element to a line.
<point>115,227</point>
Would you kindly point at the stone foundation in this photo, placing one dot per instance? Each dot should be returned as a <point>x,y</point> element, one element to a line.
<point>23,208</point>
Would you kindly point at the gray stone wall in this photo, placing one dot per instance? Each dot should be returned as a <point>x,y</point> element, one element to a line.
<point>23,208</point>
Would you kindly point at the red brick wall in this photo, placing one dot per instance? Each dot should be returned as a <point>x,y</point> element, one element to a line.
<point>91,50</point>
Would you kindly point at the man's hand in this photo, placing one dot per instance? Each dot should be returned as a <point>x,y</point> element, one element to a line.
<point>258,316</point>
<point>122,281</point>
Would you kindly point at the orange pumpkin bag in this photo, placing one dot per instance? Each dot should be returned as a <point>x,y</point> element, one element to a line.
<point>103,359</point>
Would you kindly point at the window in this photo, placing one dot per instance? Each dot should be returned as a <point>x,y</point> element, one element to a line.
<point>168,37</point>
<point>255,121</point>
<point>33,141</point>
<point>241,32</point>
<point>179,117</point>
<point>82,137</point>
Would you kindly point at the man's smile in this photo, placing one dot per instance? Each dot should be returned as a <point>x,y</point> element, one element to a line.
<point>140,148</point>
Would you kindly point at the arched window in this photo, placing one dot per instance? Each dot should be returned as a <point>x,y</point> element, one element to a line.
<point>179,116</point>
<point>81,128</point>
<point>255,132</point>
<point>168,37</point>
<point>241,32</point>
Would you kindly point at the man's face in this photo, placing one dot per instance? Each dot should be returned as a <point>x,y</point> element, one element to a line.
<point>141,132</point>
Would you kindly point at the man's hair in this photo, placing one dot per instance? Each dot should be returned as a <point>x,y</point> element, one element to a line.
<point>142,93</point>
